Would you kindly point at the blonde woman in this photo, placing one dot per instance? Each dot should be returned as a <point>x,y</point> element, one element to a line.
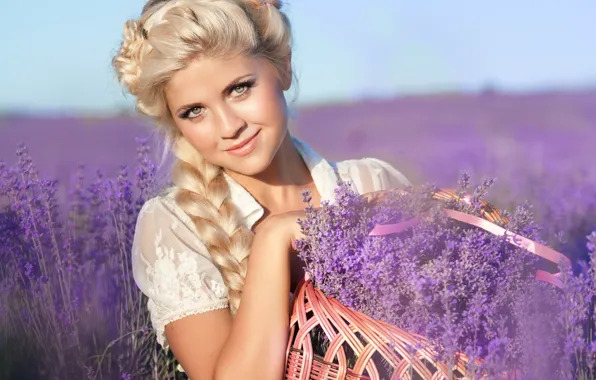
<point>213,253</point>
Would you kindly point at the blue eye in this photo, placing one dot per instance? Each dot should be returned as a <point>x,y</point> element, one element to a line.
<point>192,113</point>
<point>242,88</point>
<point>239,90</point>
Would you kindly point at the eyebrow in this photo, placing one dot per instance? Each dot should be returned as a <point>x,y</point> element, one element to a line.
<point>226,90</point>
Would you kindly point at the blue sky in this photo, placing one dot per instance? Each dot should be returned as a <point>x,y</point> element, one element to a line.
<point>56,54</point>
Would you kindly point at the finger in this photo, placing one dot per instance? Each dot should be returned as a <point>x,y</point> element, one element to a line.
<point>374,196</point>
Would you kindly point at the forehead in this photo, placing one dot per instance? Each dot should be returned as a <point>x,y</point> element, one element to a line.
<point>205,78</point>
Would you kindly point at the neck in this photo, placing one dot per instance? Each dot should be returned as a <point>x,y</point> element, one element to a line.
<point>283,179</point>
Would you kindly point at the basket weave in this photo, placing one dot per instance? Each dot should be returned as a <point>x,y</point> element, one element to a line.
<point>407,356</point>
<point>364,335</point>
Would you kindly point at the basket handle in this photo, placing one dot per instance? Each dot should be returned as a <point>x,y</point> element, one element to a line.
<point>517,240</point>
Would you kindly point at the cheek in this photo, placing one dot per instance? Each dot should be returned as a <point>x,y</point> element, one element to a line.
<point>267,106</point>
<point>203,139</point>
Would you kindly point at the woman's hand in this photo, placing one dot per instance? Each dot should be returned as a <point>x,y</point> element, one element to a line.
<point>377,196</point>
<point>284,227</point>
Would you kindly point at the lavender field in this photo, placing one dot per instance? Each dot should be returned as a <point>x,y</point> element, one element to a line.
<point>491,133</point>
<point>540,148</point>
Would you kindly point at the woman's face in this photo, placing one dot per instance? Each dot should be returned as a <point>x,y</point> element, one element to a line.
<point>233,111</point>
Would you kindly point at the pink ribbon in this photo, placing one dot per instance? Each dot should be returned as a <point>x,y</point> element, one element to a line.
<point>517,240</point>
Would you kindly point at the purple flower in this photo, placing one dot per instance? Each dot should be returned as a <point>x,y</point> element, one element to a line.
<point>461,287</point>
<point>68,295</point>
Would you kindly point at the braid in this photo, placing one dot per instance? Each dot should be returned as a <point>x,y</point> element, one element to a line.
<point>168,35</point>
<point>204,195</point>
<point>127,61</point>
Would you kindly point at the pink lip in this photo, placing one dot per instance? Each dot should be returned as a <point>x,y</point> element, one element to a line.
<point>244,147</point>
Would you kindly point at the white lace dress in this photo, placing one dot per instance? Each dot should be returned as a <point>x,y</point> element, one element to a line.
<point>173,268</point>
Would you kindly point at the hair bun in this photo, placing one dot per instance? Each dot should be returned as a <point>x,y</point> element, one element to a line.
<point>127,61</point>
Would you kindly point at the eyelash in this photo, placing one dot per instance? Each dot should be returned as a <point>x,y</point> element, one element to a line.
<point>247,85</point>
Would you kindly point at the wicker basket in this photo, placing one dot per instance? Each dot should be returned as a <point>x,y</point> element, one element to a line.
<point>364,336</point>
<point>351,334</point>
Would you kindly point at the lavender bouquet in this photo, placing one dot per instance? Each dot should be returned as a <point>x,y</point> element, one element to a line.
<point>465,290</point>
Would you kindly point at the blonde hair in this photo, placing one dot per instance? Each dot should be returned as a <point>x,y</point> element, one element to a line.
<point>166,38</point>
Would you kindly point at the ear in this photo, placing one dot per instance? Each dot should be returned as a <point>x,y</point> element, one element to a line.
<point>286,79</point>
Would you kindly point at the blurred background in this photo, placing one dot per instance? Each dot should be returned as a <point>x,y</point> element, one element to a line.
<point>505,90</point>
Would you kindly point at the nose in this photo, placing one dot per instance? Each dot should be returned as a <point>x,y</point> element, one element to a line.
<point>229,121</point>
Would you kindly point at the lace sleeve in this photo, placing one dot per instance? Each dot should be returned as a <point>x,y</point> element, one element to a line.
<point>373,174</point>
<point>172,267</point>
<point>385,176</point>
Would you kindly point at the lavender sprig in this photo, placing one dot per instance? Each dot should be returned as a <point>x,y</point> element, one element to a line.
<point>461,287</point>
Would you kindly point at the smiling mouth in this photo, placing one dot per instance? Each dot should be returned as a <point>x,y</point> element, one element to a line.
<point>242,143</point>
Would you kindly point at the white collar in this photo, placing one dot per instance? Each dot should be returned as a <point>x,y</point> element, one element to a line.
<point>323,173</point>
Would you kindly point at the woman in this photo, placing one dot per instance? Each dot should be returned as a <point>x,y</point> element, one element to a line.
<point>212,74</point>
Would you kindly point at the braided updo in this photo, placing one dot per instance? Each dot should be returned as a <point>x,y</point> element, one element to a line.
<point>165,39</point>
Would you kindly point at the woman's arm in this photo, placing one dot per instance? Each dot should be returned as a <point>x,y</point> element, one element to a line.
<point>213,345</point>
<point>256,348</point>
